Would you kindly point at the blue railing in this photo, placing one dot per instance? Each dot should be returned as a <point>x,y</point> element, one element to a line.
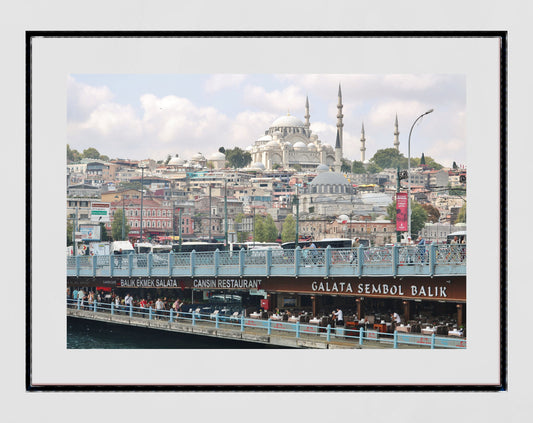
<point>236,320</point>
<point>364,261</point>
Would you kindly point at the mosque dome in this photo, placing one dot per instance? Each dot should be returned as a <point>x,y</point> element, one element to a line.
<point>299,145</point>
<point>322,168</point>
<point>217,156</point>
<point>273,144</point>
<point>311,146</point>
<point>343,218</point>
<point>258,165</point>
<point>265,138</point>
<point>287,122</point>
<point>198,157</point>
<point>176,161</point>
<point>329,178</point>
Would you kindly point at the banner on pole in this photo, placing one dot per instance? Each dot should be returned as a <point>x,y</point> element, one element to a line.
<point>401,212</point>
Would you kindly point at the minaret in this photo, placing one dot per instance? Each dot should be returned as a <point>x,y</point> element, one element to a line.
<point>338,154</point>
<point>363,148</point>
<point>396,134</point>
<point>307,116</point>
<point>340,116</point>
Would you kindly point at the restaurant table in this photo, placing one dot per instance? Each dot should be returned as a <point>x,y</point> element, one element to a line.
<point>381,327</point>
<point>455,333</point>
<point>403,328</point>
<point>428,331</point>
<point>314,321</point>
<point>255,315</point>
<point>275,317</point>
<point>294,319</point>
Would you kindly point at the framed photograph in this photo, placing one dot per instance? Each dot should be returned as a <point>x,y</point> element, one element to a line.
<point>437,99</point>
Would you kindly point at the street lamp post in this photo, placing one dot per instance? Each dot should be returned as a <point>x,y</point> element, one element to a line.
<point>409,173</point>
<point>142,166</point>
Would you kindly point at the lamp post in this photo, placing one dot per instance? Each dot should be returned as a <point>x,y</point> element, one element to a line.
<point>409,173</point>
<point>142,166</point>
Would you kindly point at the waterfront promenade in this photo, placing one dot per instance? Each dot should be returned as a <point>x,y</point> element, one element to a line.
<point>246,329</point>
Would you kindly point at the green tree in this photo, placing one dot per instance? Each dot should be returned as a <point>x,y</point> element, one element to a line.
<point>423,160</point>
<point>454,166</point>
<point>297,167</point>
<point>73,155</point>
<point>346,166</point>
<point>288,232</point>
<point>116,226</point>
<point>389,158</point>
<point>168,159</point>
<point>432,164</point>
<point>104,158</point>
<point>271,232</point>
<point>91,153</point>
<point>419,216</point>
<point>237,158</point>
<point>103,232</point>
<point>358,167</point>
<point>461,216</point>
<point>70,227</point>
<point>259,229</point>
<point>373,168</point>
<point>222,150</point>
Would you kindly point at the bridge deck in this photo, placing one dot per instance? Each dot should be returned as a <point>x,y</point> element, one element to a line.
<point>434,260</point>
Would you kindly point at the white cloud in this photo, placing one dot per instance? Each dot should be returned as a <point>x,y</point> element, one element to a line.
<point>82,99</point>
<point>290,99</point>
<point>222,81</point>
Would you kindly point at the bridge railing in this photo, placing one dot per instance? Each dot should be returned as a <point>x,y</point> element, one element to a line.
<point>236,320</point>
<point>374,261</point>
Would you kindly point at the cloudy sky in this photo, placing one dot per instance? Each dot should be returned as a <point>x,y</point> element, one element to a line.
<point>152,116</point>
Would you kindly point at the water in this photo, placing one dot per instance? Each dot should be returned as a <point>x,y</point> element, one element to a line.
<point>87,334</point>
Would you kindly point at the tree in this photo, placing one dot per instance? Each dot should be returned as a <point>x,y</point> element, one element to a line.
<point>271,232</point>
<point>389,158</point>
<point>259,229</point>
<point>461,216</point>
<point>288,232</point>
<point>346,166</point>
<point>222,150</point>
<point>358,167</point>
<point>104,158</point>
<point>91,153</point>
<point>373,168</point>
<point>454,166</point>
<point>432,164</point>
<point>419,216</point>
<point>73,155</point>
<point>103,232</point>
<point>70,228</point>
<point>116,226</point>
<point>432,212</point>
<point>237,158</point>
<point>168,159</point>
<point>422,160</point>
<point>297,167</point>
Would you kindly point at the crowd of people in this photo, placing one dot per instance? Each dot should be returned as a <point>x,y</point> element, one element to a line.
<point>86,301</point>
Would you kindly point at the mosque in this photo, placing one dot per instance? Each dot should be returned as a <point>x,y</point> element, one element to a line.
<point>289,142</point>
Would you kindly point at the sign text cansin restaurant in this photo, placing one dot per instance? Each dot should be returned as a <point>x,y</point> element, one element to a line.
<point>442,288</point>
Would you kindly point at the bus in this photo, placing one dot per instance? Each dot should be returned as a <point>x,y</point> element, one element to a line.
<point>324,243</point>
<point>199,246</point>
<point>146,248</point>
<point>461,237</point>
